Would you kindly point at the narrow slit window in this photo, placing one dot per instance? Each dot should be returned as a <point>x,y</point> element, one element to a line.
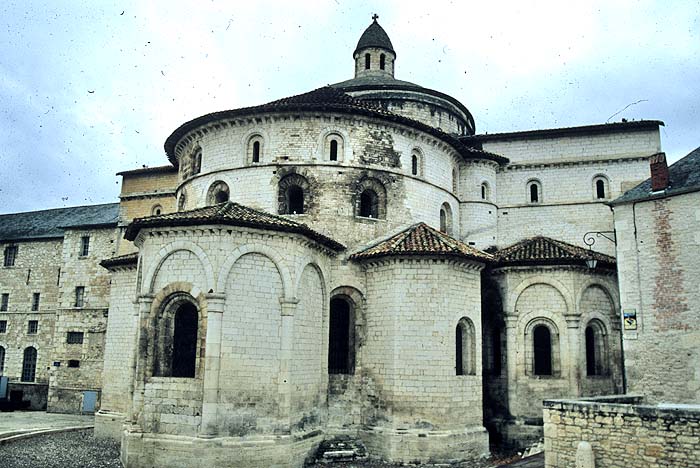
<point>2,359</point>
<point>256,151</point>
<point>465,348</point>
<point>534,192</point>
<point>4,302</point>
<point>367,59</point>
<point>382,61</point>
<point>542,350</point>
<point>334,150</point>
<point>600,188</point>
<point>10,255</point>
<point>79,296</point>
<point>414,164</point>
<point>36,298</point>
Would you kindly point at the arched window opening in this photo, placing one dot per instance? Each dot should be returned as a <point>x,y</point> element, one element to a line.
<point>382,61</point>
<point>341,337</point>
<point>334,150</point>
<point>600,188</point>
<point>197,162</point>
<point>2,359</point>
<point>295,199</point>
<point>485,191</point>
<point>465,348</point>
<point>534,192</point>
<point>181,202</point>
<point>29,365</point>
<point>218,193</point>
<point>446,218</point>
<point>156,210</point>
<point>542,350</point>
<point>595,349</point>
<point>414,164</point>
<point>367,61</point>
<point>256,152</point>
<point>184,357</point>
<point>369,204</point>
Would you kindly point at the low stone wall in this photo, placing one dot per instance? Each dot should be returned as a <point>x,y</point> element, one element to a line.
<point>622,432</point>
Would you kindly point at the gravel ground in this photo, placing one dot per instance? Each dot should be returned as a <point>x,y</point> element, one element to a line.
<point>78,449</point>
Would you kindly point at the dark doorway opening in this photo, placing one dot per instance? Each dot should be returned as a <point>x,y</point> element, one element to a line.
<point>340,356</point>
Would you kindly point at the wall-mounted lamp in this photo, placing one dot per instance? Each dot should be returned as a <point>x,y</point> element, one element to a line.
<point>589,239</point>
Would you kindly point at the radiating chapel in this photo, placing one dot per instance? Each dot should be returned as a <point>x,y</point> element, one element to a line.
<point>358,261</point>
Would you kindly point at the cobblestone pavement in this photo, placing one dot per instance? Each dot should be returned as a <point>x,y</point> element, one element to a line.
<point>76,449</point>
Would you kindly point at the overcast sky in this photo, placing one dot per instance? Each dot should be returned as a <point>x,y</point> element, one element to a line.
<point>90,88</point>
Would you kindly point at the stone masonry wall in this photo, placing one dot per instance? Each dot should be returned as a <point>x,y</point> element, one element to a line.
<point>621,433</point>
<point>659,269</point>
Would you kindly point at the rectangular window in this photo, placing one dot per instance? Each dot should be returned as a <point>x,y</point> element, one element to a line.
<point>3,326</point>
<point>10,255</point>
<point>35,301</point>
<point>73,363</point>
<point>4,302</point>
<point>74,338</point>
<point>84,246</point>
<point>32,327</point>
<point>79,296</point>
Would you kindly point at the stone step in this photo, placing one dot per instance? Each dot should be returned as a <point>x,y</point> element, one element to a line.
<point>341,448</point>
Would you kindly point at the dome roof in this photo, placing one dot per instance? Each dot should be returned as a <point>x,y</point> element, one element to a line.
<point>374,36</point>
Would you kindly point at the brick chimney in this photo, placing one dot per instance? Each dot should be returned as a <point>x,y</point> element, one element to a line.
<point>659,172</point>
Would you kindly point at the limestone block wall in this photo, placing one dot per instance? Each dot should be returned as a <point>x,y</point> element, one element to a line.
<point>611,144</point>
<point>622,432</point>
<point>565,300</point>
<point>36,270</point>
<point>118,371</point>
<point>659,267</point>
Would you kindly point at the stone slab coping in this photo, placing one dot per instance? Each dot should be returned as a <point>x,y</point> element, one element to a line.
<point>625,404</point>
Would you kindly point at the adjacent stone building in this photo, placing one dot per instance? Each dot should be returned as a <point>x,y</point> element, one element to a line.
<point>358,261</point>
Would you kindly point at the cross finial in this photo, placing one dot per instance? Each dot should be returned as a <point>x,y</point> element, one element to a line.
<point>375,17</point>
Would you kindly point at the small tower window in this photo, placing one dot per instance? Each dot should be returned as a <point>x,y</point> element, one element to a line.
<point>485,195</point>
<point>334,150</point>
<point>197,162</point>
<point>36,298</point>
<point>218,193</point>
<point>600,188</point>
<point>10,255</point>
<point>84,246</point>
<point>181,202</point>
<point>79,296</point>
<point>414,164</point>
<point>256,151</point>
<point>534,190</point>
<point>369,204</point>
<point>382,61</point>
<point>156,210</point>
<point>367,58</point>
<point>446,218</point>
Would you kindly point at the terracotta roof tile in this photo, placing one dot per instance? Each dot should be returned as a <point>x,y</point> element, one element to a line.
<point>230,214</point>
<point>127,259</point>
<point>326,99</point>
<point>546,251</point>
<point>421,239</point>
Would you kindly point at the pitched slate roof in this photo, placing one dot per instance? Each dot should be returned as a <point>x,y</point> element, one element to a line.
<point>128,259</point>
<point>421,239</point>
<point>542,250</point>
<point>374,36</point>
<point>684,176</point>
<point>326,99</point>
<point>229,214</point>
<point>50,224</point>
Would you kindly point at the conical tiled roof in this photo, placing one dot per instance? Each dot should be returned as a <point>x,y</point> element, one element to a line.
<point>421,239</point>
<point>230,214</point>
<point>374,36</point>
<point>326,99</point>
<point>546,251</point>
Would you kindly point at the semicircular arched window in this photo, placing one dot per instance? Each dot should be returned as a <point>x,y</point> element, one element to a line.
<point>333,147</point>
<point>218,193</point>
<point>601,187</point>
<point>370,199</point>
<point>254,152</point>
<point>534,192</point>
<point>293,195</point>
